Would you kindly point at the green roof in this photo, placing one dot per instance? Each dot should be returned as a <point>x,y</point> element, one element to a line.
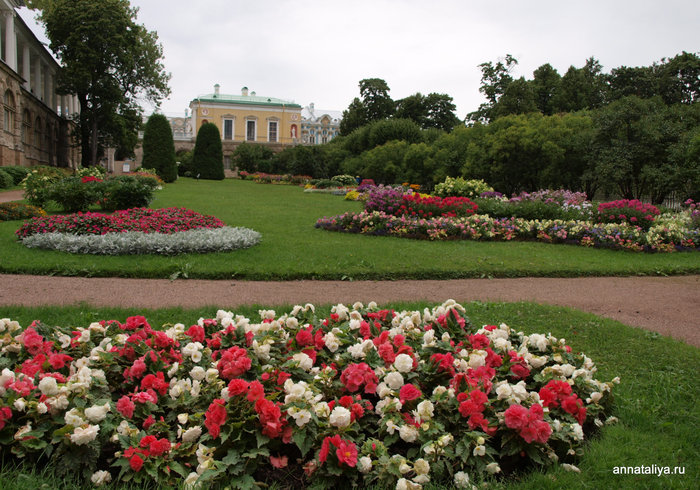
<point>246,99</point>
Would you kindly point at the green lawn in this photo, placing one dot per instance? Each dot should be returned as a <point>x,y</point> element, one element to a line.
<point>656,401</point>
<point>292,248</point>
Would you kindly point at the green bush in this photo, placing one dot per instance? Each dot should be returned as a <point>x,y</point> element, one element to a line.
<point>387,130</point>
<point>74,195</point>
<point>344,180</point>
<point>208,158</point>
<point>530,210</point>
<point>158,148</point>
<point>460,187</point>
<point>17,173</point>
<point>6,180</point>
<point>184,163</point>
<point>253,158</point>
<point>37,184</point>
<point>125,191</point>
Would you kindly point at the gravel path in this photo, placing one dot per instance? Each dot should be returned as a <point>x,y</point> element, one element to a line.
<point>668,305</point>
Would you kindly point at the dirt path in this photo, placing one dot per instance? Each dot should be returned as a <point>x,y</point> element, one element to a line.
<point>15,195</point>
<point>668,305</point>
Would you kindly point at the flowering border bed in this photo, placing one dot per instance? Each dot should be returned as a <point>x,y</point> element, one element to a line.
<point>665,236</point>
<point>368,395</point>
<point>201,240</point>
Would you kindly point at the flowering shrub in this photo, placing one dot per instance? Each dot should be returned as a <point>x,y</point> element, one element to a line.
<point>37,184</point>
<point>375,397</point>
<point>459,187</point>
<point>561,197</point>
<point>75,194</point>
<point>387,199</point>
<point>694,210</point>
<point>630,211</point>
<point>365,184</point>
<point>144,220</point>
<point>14,210</point>
<point>199,240</point>
<point>667,236</point>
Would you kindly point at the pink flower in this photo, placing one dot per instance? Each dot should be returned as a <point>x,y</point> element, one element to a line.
<point>215,417</point>
<point>279,461</point>
<point>409,392</point>
<point>126,407</point>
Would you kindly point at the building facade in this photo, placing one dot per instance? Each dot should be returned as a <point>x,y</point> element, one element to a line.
<point>35,127</point>
<point>248,118</point>
<point>319,126</point>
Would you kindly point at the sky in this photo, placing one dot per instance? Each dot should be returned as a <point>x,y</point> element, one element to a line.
<point>318,51</point>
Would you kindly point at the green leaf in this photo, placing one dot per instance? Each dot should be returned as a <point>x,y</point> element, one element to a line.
<point>243,482</point>
<point>303,441</point>
<point>232,457</point>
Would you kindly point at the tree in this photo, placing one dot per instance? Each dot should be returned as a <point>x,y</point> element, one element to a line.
<point>250,157</point>
<point>545,84</point>
<point>355,116</point>
<point>208,157</point>
<point>581,88</point>
<point>375,98</point>
<point>159,148</point>
<point>517,98</point>
<point>108,61</point>
<point>680,79</point>
<point>494,80</point>
<point>432,111</point>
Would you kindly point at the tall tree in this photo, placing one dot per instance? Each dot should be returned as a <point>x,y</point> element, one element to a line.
<point>494,81</point>
<point>581,88</point>
<point>545,84</point>
<point>518,98</point>
<point>354,116</point>
<point>108,60</point>
<point>208,156</point>
<point>376,99</point>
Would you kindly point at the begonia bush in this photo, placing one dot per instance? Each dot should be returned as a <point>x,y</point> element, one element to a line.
<point>631,211</point>
<point>362,396</point>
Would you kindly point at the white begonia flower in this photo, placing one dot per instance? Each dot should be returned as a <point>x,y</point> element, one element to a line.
<point>192,434</point>
<point>173,369</point>
<point>520,391</point>
<point>262,351</point>
<point>403,363</point>
<point>595,397</point>
<point>429,339</point>
<point>211,375</point>
<point>41,408</point>
<point>84,435</point>
<point>74,418</point>
<point>193,351</point>
<point>101,477</point>
<point>539,341</point>
<point>391,427</point>
<point>357,351</point>
<point>355,323</point>
<point>408,433</point>
<point>84,336</point>
<point>439,390</point>
<point>372,305</point>
<point>364,464</point>
<point>65,340</point>
<point>445,337</point>
<point>59,403</point>
<point>425,410</point>
<point>479,450</point>
<point>291,323</point>
<point>20,404</point>
<point>394,380</point>
<point>570,467</point>
<point>19,435</point>
<point>502,344</point>
<point>383,390</point>
<point>421,467</point>
<point>340,417</point>
<point>331,342</point>
<point>404,467</point>
<point>461,479</point>
<point>182,418</point>
<point>578,431</point>
<point>493,468</point>
<point>305,362</point>
<point>267,314</point>
<point>504,391</point>
<point>536,361</point>
<point>342,312</point>
<point>191,480</point>
<point>300,416</point>
<point>567,370</point>
<point>322,410</point>
<point>196,387</point>
<point>477,359</point>
<point>97,413</point>
<point>198,373</point>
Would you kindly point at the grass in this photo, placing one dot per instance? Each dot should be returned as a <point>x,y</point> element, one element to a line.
<point>655,402</point>
<point>292,248</point>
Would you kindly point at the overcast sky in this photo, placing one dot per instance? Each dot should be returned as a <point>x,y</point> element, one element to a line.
<point>317,51</point>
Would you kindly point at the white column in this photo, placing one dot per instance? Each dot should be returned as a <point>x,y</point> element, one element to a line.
<point>10,40</point>
<point>26,67</point>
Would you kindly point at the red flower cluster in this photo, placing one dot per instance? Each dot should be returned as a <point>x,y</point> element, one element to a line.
<point>234,362</point>
<point>346,451</point>
<point>144,220</point>
<point>215,417</point>
<point>630,211</point>
<point>472,405</point>
<point>528,423</point>
<point>558,393</point>
<point>356,375</point>
<point>428,207</point>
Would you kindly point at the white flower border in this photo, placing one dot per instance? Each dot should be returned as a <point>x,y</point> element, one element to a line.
<point>202,240</point>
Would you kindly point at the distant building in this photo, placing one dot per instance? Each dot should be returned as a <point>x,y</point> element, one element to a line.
<point>35,125</point>
<point>319,126</point>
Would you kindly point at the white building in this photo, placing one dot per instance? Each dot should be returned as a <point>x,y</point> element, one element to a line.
<point>319,126</point>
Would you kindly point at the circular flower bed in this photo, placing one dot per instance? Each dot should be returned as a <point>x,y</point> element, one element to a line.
<point>167,231</point>
<point>360,397</point>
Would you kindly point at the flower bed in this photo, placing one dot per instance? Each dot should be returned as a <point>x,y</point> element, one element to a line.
<point>198,240</point>
<point>363,396</point>
<point>144,220</point>
<point>14,210</point>
<point>668,235</point>
<point>629,211</point>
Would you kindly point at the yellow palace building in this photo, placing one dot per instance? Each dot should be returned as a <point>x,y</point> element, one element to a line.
<point>248,118</point>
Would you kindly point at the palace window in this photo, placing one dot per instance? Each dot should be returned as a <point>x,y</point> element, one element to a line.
<point>26,127</point>
<point>9,106</point>
<point>272,131</point>
<point>250,130</point>
<point>228,129</point>
<point>37,132</point>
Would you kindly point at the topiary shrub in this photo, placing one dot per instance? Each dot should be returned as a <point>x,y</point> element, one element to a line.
<point>125,191</point>
<point>387,130</point>
<point>6,180</point>
<point>17,173</point>
<point>208,157</point>
<point>158,148</point>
